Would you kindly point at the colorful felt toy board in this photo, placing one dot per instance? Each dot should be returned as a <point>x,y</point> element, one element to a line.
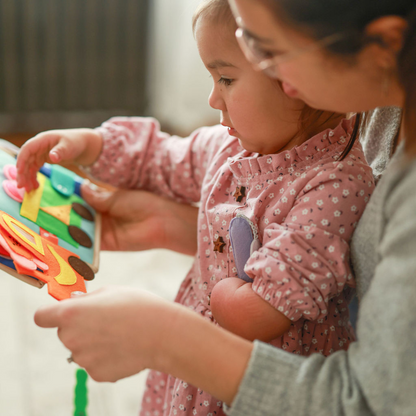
<point>49,235</point>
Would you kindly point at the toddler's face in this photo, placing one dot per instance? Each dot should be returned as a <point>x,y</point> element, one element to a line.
<point>252,106</point>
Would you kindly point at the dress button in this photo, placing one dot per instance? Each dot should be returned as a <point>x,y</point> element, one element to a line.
<point>240,193</point>
<point>219,245</point>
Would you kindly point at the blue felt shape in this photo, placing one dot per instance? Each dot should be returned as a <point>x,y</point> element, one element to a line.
<point>241,237</point>
<point>62,180</point>
<point>47,170</point>
<point>7,262</point>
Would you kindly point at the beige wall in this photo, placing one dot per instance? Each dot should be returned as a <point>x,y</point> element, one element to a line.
<point>179,83</point>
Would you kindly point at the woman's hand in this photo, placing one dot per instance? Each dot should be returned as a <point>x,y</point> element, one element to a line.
<point>117,332</point>
<point>113,332</point>
<point>140,220</point>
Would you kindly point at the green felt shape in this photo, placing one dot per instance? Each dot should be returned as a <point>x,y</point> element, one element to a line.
<point>81,393</point>
<point>63,180</point>
<point>52,198</point>
<point>54,226</point>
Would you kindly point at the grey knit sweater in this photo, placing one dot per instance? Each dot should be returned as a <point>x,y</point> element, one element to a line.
<point>377,375</point>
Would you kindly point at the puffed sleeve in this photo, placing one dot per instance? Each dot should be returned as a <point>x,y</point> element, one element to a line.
<point>137,155</point>
<point>304,260</point>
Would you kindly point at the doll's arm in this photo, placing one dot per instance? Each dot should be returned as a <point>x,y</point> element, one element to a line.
<point>237,308</point>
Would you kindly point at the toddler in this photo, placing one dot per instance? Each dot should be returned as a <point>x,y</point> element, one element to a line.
<point>279,201</point>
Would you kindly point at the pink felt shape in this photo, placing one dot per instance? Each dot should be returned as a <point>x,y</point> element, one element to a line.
<point>10,172</point>
<point>11,189</point>
<point>41,265</point>
<point>17,258</point>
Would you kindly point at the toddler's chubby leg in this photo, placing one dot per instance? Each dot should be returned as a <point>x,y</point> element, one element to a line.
<point>237,308</point>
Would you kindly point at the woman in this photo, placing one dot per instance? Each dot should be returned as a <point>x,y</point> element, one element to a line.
<point>341,56</point>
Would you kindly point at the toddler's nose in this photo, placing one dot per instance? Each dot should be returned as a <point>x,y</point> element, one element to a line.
<point>215,100</point>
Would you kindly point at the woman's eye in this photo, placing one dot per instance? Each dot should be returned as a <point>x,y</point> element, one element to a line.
<point>263,54</point>
<point>225,81</point>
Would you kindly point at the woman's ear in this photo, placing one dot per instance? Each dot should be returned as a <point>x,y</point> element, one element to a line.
<point>390,30</point>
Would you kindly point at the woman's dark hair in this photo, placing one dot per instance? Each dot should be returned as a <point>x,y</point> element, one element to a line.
<point>321,18</point>
<point>407,76</point>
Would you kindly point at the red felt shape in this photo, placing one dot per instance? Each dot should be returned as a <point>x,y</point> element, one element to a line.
<point>55,270</point>
<point>4,252</point>
<point>48,236</point>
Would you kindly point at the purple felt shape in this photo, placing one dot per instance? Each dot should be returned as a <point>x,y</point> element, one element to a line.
<point>241,237</point>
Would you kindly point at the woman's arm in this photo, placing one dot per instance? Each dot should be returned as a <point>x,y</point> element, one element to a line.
<point>237,308</point>
<point>116,332</point>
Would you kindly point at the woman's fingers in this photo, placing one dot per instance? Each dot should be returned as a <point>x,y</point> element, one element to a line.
<point>98,198</point>
<point>48,316</point>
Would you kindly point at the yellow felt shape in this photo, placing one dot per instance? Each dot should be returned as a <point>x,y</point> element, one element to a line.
<point>66,275</point>
<point>25,233</point>
<point>31,200</point>
<point>61,212</point>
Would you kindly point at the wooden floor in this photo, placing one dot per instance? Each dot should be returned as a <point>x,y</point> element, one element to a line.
<point>35,378</point>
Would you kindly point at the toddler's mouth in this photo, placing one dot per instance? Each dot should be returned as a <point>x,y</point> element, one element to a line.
<point>231,131</point>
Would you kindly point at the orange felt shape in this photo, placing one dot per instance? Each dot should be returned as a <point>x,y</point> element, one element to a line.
<point>61,279</point>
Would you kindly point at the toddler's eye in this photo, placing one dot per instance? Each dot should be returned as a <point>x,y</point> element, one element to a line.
<point>226,81</point>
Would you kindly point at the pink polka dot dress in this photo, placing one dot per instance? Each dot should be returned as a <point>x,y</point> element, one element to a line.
<point>303,205</point>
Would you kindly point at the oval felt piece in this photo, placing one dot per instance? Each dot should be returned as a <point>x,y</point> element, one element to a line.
<point>81,267</point>
<point>80,236</point>
<point>10,172</point>
<point>82,211</point>
<point>11,189</point>
<point>241,238</point>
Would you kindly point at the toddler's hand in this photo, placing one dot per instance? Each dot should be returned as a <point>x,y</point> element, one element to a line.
<point>81,146</point>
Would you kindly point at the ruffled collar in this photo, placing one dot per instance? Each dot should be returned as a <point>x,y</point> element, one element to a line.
<point>247,165</point>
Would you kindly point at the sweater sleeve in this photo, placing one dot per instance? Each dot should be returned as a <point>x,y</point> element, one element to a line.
<point>137,155</point>
<point>304,260</point>
<point>376,376</point>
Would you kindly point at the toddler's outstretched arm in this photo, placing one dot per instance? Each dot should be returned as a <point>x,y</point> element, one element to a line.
<point>81,146</point>
<point>237,308</point>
